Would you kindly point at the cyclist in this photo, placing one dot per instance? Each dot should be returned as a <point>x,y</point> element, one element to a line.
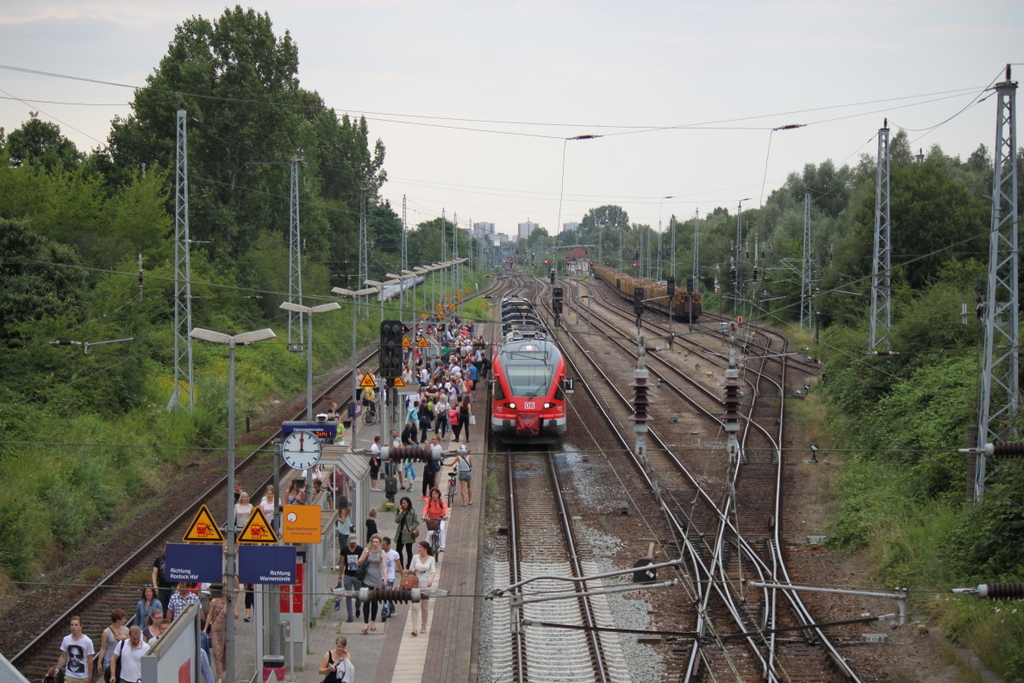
<point>435,513</point>
<point>465,468</point>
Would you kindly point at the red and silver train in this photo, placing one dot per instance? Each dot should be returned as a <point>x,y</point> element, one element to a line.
<point>527,400</point>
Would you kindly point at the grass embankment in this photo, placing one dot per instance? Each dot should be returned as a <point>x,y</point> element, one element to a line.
<point>900,499</point>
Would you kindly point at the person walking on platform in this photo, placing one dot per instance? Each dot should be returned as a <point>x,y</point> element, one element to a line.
<point>393,563</point>
<point>408,527</point>
<point>430,469</point>
<point>336,664</point>
<point>465,464</point>
<point>216,628</point>
<point>147,605</point>
<point>130,655</point>
<point>374,561</point>
<point>465,416</point>
<point>349,578</point>
<point>423,566</point>
<point>375,463</point>
<point>77,653</point>
<point>109,640</point>
<point>160,582</point>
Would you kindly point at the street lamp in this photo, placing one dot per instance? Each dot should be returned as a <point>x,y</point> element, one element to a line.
<point>309,310</point>
<point>229,525</point>
<point>355,379</point>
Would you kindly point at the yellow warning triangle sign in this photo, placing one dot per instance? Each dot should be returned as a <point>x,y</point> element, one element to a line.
<point>399,383</point>
<point>465,291</point>
<point>203,529</point>
<point>405,342</point>
<point>422,343</point>
<point>452,307</point>
<point>367,381</point>
<point>257,529</point>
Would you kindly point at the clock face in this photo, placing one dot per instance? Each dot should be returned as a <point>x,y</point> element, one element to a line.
<point>302,450</point>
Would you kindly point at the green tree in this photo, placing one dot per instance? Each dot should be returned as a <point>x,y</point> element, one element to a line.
<point>41,142</point>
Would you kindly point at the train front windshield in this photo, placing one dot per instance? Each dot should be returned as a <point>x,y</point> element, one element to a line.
<point>529,380</point>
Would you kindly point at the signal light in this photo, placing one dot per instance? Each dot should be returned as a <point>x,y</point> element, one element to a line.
<point>545,262</point>
<point>391,333</point>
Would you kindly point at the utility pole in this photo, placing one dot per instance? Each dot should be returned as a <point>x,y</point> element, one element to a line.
<point>444,249</point>
<point>881,275</point>
<point>739,259</point>
<point>182,274</point>
<point>405,259</point>
<point>296,335</point>
<point>672,243</point>
<point>805,269</point>
<point>696,250</point>
<point>456,274</point>
<point>1000,391</point>
<point>364,273</point>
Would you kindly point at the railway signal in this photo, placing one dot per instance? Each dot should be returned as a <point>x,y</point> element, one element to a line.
<point>556,302</point>
<point>391,334</point>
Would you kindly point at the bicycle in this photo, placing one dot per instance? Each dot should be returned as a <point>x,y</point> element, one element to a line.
<point>370,413</point>
<point>435,534</point>
<point>453,478</point>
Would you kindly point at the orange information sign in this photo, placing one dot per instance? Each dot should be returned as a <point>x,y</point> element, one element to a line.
<point>258,529</point>
<point>203,529</point>
<point>300,523</point>
<point>367,381</point>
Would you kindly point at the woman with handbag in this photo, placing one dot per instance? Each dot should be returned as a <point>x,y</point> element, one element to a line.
<point>371,565</point>
<point>408,528</point>
<point>423,567</point>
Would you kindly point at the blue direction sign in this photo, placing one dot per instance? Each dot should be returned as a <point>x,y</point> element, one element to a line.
<point>266,564</point>
<point>195,563</point>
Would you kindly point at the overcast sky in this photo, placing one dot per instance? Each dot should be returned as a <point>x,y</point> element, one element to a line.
<point>474,100</point>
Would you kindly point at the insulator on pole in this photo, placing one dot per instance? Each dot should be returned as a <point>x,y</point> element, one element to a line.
<point>401,595</point>
<point>416,453</point>
<point>1014,449</point>
<point>995,591</point>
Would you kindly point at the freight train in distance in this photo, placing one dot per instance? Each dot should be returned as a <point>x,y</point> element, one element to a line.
<point>686,306</point>
<point>527,398</point>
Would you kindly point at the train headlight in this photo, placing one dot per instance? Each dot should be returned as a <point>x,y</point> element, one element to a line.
<point>510,406</point>
<point>549,406</point>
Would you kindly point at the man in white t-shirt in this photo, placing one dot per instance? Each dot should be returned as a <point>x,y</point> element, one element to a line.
<point>393,563</point>
<point>129,653</point>
<point>76,653</point>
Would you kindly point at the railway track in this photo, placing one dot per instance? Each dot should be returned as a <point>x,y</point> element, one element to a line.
<point>728,528</point>
<point>120,587</point>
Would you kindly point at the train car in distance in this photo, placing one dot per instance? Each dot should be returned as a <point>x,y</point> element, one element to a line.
<point>686,305</point>
<point>527,400</point>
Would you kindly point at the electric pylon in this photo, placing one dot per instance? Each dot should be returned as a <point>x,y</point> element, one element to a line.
<point>1000,391</point>
<point>881,275</point>
<point>182,274</point>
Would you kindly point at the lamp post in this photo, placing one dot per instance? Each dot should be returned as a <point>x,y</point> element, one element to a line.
<point>309,310</point>
<point>355,379</point>
<point>229,552</point>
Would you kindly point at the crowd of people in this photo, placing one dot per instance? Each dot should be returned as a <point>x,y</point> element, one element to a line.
<point>442,406</point>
